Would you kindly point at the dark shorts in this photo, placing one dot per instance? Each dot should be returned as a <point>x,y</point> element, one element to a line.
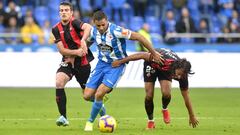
<point>151,74</point>
<point>81,73</point>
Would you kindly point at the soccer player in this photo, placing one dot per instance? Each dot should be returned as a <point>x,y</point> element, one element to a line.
<point>70,35</point>
<point>111,43</point>
<point>173,67</point>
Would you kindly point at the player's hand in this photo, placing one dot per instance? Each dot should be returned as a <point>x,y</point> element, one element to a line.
<point>84,46</point>
<point>80,52</point>
<point>116,63</point>
<point>193,121</point>
<point>157,57</point>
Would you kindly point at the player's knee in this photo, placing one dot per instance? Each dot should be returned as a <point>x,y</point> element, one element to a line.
<point>166,95</point>
<point>148,97</point>
<point>60,84</point>
<point>99,95</point>
<point>87,97</point>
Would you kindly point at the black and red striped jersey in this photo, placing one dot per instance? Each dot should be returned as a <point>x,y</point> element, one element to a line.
<point>169,57</point>
<point>69,40</point>
<point>76,24</point>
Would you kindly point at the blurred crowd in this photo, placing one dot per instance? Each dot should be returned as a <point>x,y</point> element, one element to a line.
<point>30,21</point>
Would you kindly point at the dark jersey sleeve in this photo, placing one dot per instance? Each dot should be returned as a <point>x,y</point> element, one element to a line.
<point>56,34</point>
<point>77,24</point>
<point>183,83</point>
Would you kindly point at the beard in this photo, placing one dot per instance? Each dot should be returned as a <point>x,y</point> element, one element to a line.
<point>65,19</point>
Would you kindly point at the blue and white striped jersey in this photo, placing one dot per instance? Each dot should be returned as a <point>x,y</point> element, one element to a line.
<point>111,44</point>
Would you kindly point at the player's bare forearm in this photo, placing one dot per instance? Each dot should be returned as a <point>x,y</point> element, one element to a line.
<point>185,94</point>
<point>86,31</point>
<point>64,51</point>
<point>143,41</point>
<point>156,56</point>
<point>136,56</point>
<point>192,118</point>
<point>133,57</point>
<point>68,52</point>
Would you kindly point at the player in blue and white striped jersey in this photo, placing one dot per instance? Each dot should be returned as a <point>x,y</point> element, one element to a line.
<point>111,42</point>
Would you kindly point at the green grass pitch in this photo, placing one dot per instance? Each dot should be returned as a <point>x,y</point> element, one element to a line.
<point>33,111</point>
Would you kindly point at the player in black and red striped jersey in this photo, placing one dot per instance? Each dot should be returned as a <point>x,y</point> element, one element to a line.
<point>173,67</point>
<point>70,35</point>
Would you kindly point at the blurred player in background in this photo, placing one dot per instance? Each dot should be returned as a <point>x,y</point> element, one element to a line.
<point>111,42</point>
<point>70,35</point>
<point>173,67</point>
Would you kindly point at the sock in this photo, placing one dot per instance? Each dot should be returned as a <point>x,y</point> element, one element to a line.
<point>97,105</point>
<point>102,111</point>
<point>165,101</point>
<point>92,99</point>
<point>149,107</point>
<point>61,101</point>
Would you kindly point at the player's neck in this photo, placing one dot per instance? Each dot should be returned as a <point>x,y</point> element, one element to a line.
<point>65,22</point>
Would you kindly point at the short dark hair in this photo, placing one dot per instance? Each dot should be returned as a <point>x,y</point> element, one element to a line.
<point>67,3</point>
<point>99,15</point>
<point>182,64</point>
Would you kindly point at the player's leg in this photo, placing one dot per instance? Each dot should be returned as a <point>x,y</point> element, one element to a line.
<point>150,76</point>
<point>109,80</point>
<point>98,102</point>
<point>93,82</point>
<point>149,105</point>
<point>166,98</point>
<point>97,106</point>
<point>88,94</point>
<point>62,77</point>
<point>82,77</point>
<point>82,74</point>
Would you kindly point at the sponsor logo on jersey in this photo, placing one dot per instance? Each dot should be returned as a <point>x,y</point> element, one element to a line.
<point>106,49</point>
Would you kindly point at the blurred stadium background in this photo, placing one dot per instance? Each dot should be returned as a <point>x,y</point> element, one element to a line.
<point>206,32</point>
<point>211,21</point>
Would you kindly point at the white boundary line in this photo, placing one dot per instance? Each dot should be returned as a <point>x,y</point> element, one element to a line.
<point>73,119</point>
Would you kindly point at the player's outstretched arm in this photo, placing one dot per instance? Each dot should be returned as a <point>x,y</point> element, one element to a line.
<point>156,56</point>
<point>133,57</point>
<point>192,118</point>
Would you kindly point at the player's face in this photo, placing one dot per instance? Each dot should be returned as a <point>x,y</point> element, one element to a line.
<point>179,73</point>
<point>101,25</point>
<point>65,13</point>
